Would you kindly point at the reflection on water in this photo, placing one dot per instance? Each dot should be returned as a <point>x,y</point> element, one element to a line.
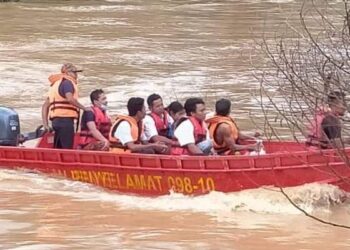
<point>134,48</point>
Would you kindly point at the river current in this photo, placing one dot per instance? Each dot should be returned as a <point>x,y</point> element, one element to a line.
<point>135,48</point>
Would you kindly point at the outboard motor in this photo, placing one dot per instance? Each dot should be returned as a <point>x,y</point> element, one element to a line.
<point>9,127</point>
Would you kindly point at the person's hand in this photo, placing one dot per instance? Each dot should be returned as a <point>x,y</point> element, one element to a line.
<point>254,147</point>
<point>105,146</point>
<point>21,139</point>
<point>161,148</point>
<point>175,144</point>
<point>47,128</point>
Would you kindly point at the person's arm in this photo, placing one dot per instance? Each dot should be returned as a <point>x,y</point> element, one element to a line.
<point>123,133</point>
<point>193,149</point>
<point>66,90</point>
<point>224,129</point>
<point>157,147</point>
<point>185,137</point>
<point>242,136</point>
<point>70,98</point>
<point>159,138</point>
<point>96,133</point>
<point>45,113</point>
<point>151,133</point>
<point>332,128</point>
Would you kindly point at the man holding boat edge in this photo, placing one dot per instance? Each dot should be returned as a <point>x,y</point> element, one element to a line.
<point>225,133</point>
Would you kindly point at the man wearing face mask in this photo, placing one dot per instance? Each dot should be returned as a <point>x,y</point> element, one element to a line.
<point>95,124</point>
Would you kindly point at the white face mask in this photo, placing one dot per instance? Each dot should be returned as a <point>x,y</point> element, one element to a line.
<point>104,107</point>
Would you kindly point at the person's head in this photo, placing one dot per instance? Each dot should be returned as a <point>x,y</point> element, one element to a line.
<point>70,69</point>
<point>336,102</point>
<point>155,104</point>
<point>99,99</point>
<point>223,107</point>
<point>195,107</point>
<point>136,107</point>
<point>176,110</point>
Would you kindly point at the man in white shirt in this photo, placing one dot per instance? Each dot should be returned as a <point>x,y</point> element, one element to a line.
<point>127,131</point>
<point>158,124</point>
<point>191,131</point>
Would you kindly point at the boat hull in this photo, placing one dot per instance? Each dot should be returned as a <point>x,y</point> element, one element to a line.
<point>153,175</point>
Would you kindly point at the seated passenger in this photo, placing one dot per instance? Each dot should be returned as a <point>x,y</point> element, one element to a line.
<point>126,134</point>
<point>325,130</point>
<point>176,111</point>
<point>225,133</point>
<point>191,131</point>
<point>158,123</point>
<point>95,124</point>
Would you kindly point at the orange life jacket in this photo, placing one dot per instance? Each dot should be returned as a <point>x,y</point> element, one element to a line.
<point>59,106</point>
<point>162,125</point>
<point>136,130</point>
<point>213,124</point>
<point>103,124</point>
<point>316,135</point>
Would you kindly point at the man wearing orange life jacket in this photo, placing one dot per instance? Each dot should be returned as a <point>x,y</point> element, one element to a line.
<point>127,132</point>
<point>158,123</point>
<point>191,131</point>
<point>95,124</point>
<point>62,106</point>
<point>325,130</point>
<point>225,133</point>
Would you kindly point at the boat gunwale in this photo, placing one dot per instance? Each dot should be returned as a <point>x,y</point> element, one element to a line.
<point>274,158</point>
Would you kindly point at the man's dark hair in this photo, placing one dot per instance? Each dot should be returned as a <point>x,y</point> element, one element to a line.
<point>95,95</point>
<point>223,107</point>
<point>135,104</point>
<point>175,107</point>
<point>152,98</point>
<point>191,105</point>
<point>335,96</point>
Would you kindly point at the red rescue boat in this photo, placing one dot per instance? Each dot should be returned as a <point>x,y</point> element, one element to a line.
<point>286,164</point>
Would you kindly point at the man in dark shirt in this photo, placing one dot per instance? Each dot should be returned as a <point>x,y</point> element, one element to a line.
<point>331,125</point>
<point>62,106</point>
<point>95,124</point>
<point>325,129</point>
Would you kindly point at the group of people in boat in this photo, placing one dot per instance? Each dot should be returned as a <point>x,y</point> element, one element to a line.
<point>177,129</point>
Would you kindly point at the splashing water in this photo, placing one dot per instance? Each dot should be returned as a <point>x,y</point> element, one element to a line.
<point>310,197</point>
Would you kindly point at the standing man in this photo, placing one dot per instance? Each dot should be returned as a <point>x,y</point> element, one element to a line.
<point>95,124</point>
<point>191,131</point>
<point>62,106</point>
<point>158,123</point>
<point>225,133</point>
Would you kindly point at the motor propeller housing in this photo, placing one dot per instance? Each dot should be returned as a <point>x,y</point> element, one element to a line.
<point>9,127</point>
